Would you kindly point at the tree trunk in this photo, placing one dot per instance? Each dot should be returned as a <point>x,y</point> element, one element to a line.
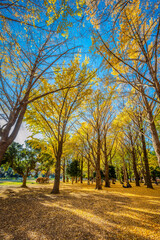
<point>155,138</point>
<point>55,189</point>
<point>72,180</point>
<point>107,183</point>
<point>148,177</point>
<point>125,172</point>
<point>98,179</point>
<point>6,137</point>
<point>82,170</point>
<point>98,174</point>
<point>134,162</point>
<point>88,172</point>
<point>135,167</point>
<point>130,173</point>
<point>24,181</point>
<point>64,170</point>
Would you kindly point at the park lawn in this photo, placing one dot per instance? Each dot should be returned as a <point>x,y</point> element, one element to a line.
<point>79,212</point>
<point>10,183</point>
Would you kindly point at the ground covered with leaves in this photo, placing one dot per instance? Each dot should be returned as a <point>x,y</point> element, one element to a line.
<point>79,212</point>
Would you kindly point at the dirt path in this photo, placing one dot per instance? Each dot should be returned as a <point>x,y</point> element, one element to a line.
<point>79,212</point>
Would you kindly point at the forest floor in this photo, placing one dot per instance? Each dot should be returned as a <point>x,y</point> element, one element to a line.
<point>79,212</point>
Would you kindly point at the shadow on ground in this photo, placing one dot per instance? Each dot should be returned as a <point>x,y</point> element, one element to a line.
<point>77,213</point>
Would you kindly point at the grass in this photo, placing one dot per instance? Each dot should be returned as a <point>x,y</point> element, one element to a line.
<point>79,212</point>
<point>10,183</point>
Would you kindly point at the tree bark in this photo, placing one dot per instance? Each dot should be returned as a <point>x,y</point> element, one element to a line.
<point>107,183</point>
<point>135,167</point>
<point>148,177</point>
<point>155,138</point>
<point>6,137</point>
<point>125,172</point>
<point>64,170</point>
<point>98,174</point>
<point>88,172</point>
<point>82,170</point>
<point>98,179</point>
<point>55,189</point>
<point>24,181</point>
<point>134,162</point>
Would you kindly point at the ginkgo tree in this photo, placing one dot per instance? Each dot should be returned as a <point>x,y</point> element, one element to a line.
<point>33,38</point>
<point>130,50</point>
<point>24,64</point>
<point>97,119</point>
<point>54,117</point>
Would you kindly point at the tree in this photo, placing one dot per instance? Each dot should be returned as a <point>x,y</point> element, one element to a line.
<point>28,55</point>
<point>54,117</point>
<point>21,73</point>
<point>130,49</point>
<point>73,169</point>
<point>21,160</point>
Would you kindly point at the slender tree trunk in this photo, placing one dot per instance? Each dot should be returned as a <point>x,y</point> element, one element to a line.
<point>125,172</point>
<point>98,174</point>
<point>148,177</point>
<point>88,172</point>
<point>135,167</point>
<point>72,180</point>
<point>64,170</point>
<point>143,172</point>
<point>134,162</point>
<point>82,170</point>
<point>24,181</point>
<point>130,173</point>
<point>107,183</point>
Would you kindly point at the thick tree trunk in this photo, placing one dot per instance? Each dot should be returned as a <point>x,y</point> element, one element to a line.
<point>98,179</point>
<point>155,138</point>
<point>148,177</point>
<point>6,137</point>
<point>24,181</point>
<point>64,170</point>
<point>3,149</point>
